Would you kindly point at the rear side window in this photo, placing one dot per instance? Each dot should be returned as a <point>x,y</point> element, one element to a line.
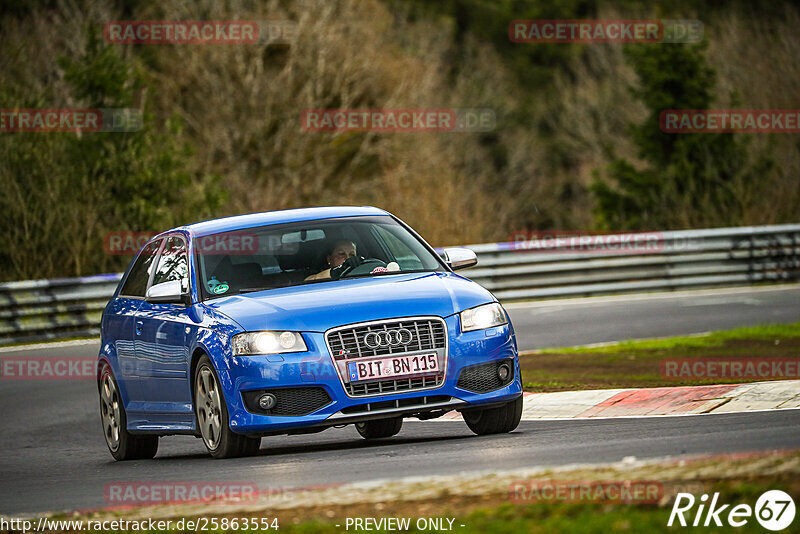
<point>173,264</point>
<point>136,283</point>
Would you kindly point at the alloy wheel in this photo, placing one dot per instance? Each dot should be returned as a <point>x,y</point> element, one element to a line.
<point>208,407</point>
<point>109,406</point>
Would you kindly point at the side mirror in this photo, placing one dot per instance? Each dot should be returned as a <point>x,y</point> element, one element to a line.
<point>167,293</point>
<point>459,258</point>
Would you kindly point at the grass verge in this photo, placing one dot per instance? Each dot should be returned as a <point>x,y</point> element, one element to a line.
<point>585,518</point>
<point>637,364</point>
<point>484,503</point>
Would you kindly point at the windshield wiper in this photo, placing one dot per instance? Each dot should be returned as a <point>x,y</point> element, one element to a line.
<point>254,289</point>
<point>386,273</point>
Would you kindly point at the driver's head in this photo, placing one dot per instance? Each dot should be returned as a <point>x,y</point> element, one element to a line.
<point>341,250</point>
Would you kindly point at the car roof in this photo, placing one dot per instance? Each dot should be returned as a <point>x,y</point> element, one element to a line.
<point>252,220</point>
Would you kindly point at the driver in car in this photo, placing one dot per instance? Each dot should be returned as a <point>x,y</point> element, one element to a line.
<point>341,255</point>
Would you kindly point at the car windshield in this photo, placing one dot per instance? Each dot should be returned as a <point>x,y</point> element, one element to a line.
<point>284,255</point>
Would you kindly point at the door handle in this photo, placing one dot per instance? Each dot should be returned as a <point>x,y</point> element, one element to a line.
<point>139,325</point>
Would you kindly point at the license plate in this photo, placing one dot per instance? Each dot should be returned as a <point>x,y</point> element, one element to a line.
<point>393,366</point>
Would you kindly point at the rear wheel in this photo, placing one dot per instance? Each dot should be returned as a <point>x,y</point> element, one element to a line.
<point>122,444</point>
<point>212,416</point>
<point>380,428</point>
<point>496,420</point>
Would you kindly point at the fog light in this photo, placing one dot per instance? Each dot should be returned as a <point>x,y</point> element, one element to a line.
<point>503,371</point>
<point>267,401</point>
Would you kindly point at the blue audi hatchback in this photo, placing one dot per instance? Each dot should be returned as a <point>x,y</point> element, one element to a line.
<point>290,322</point>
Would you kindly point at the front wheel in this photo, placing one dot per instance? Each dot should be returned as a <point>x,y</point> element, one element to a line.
<point>380,428</point>
<point>212,416</point>
<point>122,444</point>
<point>496,420</point>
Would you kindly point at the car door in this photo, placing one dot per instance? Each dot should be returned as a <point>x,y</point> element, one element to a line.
<point>120,317</point>
<point>160,338</point>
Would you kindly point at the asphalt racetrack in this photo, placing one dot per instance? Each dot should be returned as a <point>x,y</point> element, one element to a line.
<point>54,457</point>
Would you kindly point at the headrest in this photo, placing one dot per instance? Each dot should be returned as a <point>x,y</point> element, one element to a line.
<point>293,256</point>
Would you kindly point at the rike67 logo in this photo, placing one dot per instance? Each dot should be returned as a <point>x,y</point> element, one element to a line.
<point>774,510</point>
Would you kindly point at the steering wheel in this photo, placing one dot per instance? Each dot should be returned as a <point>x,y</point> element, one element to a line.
<point>366,267</point>
<point>356,266</point>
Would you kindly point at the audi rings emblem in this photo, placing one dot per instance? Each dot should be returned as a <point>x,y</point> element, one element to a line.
<point>388,338</point>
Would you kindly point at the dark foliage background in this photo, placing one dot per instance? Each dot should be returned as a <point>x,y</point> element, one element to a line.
<point>577,144</point>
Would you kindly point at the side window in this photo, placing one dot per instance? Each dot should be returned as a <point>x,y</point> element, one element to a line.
<point>136,283</point>
<point>173,264</point>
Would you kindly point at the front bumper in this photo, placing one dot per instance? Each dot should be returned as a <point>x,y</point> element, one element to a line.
<point>315,368</point>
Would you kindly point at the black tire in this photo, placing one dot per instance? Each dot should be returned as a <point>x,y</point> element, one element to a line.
<point>121,444</point>
<point>380,428</point>
<point>211,411</point>
<point>498,420</point>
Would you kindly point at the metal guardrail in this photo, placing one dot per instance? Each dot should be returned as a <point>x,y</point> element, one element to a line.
<point>533,269</point>
<point>37,310</point>
<point>679,260</point>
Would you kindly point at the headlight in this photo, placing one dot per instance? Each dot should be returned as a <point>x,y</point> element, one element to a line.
<point>248,343</point>
<point>485,316</point>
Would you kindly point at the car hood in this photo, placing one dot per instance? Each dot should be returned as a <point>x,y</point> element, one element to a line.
<point>318,307</point>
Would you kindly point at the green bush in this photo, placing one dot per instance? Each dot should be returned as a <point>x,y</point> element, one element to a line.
<point>687,180</point>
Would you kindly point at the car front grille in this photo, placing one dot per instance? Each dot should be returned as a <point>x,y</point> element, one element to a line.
<point>428,334</point>
<point>348,343</point>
